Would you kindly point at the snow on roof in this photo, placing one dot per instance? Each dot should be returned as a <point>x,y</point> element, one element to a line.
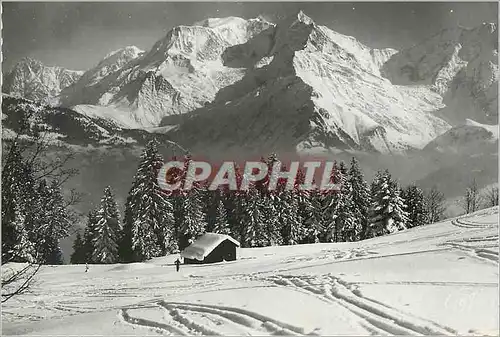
<point>204,245</point>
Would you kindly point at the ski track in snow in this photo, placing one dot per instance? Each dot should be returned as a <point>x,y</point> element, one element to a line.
<point>201,319</point>
<point>380,316</point>
<point>480,246</point>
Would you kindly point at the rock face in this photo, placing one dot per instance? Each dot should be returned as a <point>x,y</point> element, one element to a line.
<point>460,64</point>
<point>31,79</point>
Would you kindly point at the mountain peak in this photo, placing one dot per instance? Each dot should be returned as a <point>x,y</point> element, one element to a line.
<point>30,60</point>
<point>302,17</point>
<point>128,50</point>
<point>33,80</point>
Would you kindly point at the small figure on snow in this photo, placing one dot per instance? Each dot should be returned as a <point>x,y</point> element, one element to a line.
<point>177,264</point>
<point>86,267</point>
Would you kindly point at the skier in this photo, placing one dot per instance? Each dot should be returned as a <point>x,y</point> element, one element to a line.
<point>86,267</point>
<point>177,264</point>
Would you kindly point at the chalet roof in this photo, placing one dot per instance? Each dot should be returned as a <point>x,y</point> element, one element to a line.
<point>204,245</point>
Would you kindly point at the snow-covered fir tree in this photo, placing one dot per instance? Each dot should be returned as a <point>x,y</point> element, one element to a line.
<point>107,230</point>
<point>88,236</point>
<point>221,225</point>
<point>292,229</point>
<point>397,208</point>
<point>415,202</point>
<point>329,204</point>
<point>287,210</point>
<point>361,198</point>
<point>310,206</point>
<point>193,219</point>
<point>271,204</point>
<point>148,222</point>
<point>15,245</point>
<point>253,231</point>
<point>192,223</point>
<point>308,212</point>
<point>388,208</point>
<point>347,223</point>
<point>23,249</point>
<point>56,227</point>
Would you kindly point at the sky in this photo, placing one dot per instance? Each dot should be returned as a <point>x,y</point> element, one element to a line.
<point>77,35</point>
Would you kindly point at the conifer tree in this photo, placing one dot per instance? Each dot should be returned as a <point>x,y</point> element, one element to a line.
<point>253,230</point>
<point>312,216</point>
<point>308,211</point>
<point>107,230</point>
<point>388,208</point>
<point>148,224</point>
<point>346,221</point>
<point>192,222</point>
<point>235,202</point>
<point>329,201</point>
<point>361,198</point>
<point>14,232</point>
<point>417,212</point>
<point>89,235</point>
<point>23,249</point>
<point>56,227</point>
<point>287,207</point>
<point>221,220</point>
<point>271,205</point>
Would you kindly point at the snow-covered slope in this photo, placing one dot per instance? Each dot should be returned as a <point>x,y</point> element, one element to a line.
<point>313,90</point>
<point>33,80</point>
<point>439,279</point>
<point>461,64</point>
<point>183,71</point>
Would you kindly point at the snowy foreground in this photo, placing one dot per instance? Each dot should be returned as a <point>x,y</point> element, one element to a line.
<point>437,279</point>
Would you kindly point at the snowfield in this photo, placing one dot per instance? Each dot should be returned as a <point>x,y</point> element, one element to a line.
<point>436,279</point>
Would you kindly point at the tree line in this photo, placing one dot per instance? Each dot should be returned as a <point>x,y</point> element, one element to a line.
<point>157,222</point>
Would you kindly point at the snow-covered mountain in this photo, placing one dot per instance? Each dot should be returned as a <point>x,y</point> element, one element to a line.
<point>313,89</point>
<point>236,85</point>
<point>33,80</point>
<point>183,71</point>
<point>460,64</point>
